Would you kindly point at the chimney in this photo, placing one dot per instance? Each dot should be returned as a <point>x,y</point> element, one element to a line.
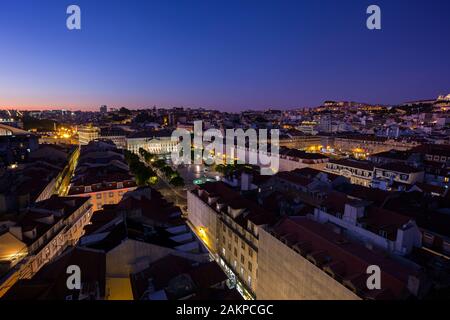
<point>354,210</point>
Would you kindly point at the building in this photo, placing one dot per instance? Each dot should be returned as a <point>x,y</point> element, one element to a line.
<point>15,145</point>
<point>104,109</point>
<point>301,259</point>
<point>308,127</point>
<point>228,224</point>
<point>325,124</point>
<point>101,174</point>
<point>291,159</point>
<point>396,176</point>
<point>47,172</point>
<point>358,172</point>
<point>298,140</point>
<point>362,146</point>
<point>116,134</point>
<point>87,134</point>
<point>313,183</point>
<point>50,283</point>
<point>155,142</point>
<point>44,231</point>
<point>63,156</point>
<point>179,278</point>
<point>393,155</point>
<point>386,229</point>
<point>135,233</point>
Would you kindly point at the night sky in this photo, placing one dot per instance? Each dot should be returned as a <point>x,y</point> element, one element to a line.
<point>228,55</point>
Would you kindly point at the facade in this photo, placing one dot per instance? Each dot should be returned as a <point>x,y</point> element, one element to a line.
<point>323,254</point>
<point>229,225</point>
<point>116,134</point>
<point>396,176</point>
<point>302,259</point>
<point>358,172</point>
<point>155,142</point>
<point>362,146</point>
<point>44,232</point>
<point>298,140</point>
<point>101,174</point>
<point>87,134</point>
<point>291,159</point>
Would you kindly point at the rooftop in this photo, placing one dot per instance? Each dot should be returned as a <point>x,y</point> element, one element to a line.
<point>345,260</point>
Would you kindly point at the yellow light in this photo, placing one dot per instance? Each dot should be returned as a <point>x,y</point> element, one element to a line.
<point>202,232</point>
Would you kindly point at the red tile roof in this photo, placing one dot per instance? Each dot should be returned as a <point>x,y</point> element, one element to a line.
<point>348,259</point>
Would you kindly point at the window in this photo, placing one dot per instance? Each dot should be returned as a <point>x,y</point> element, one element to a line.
<point>235,238</point>
<point>99,195</point>
<point>223,251</point>
<point>250,252</point>
<point>229,246</point>
<point>249,280</point>
<point>383,233</point>
<point>242,259</point>
<point>111,194</point>
<point>243,244</point>
<point>250,266</point>
<point>235,252</point>
<point>224,239</point>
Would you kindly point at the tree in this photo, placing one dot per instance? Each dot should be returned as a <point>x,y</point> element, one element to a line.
<point>168,171</point>
<point>159,163</point>
<point>177,181</point>
<point>143,174</point>
<point>149,157</point>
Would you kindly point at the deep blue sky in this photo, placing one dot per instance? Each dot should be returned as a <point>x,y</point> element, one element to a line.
<point>227,54</point>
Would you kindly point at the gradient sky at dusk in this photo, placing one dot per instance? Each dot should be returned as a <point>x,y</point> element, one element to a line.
<point>224,54</point>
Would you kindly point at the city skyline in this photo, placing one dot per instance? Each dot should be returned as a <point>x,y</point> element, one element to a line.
<point>232,56</point>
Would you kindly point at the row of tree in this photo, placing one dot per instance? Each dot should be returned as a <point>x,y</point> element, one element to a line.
<point>172,176</point>
<point>228,169</point>
<point>143,174</point>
